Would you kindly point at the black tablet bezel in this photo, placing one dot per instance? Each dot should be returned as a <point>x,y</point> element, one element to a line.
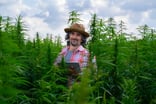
<point>73,65</point>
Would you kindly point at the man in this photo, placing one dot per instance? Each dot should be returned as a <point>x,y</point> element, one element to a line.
<point>74,51</point>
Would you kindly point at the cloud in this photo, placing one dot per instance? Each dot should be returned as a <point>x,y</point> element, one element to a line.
<point>152,14</point>
<point>78,5</point>
<point>9,8</point>
<point>5,2</point>
<point>39,16</point>
<point>51,16</point>
<point>53,13</point>
<point>137,5</point>
<point>106,8</point>
<point>35,25</point>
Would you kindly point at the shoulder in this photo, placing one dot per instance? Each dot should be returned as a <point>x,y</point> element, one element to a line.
<point>64,50</point>
<point>84,50</point>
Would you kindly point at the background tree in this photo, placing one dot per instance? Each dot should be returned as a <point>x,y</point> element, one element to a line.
<point>122,28</point>
<point>144,30</point>
<point>74,17</point>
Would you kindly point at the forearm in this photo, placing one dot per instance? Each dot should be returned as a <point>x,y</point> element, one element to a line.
<point>58,59</point>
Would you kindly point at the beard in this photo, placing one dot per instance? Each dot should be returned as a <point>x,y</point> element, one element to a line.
<point>74,42</point>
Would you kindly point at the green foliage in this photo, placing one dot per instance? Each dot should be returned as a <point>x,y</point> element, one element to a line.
<point>125,72</point>
<point>119,59</point>
<point>79,93</point>
<point>73,17</point>
<point>9,65</point>
<point>129,95</point>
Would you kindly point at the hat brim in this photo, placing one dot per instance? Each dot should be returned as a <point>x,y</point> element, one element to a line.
<point>67,30</point>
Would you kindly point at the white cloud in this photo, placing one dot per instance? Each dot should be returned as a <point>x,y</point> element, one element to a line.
<point>99,3</point>
<point>51,16</point>
<point>35,25</point>
<point>3,2</point>
<point>85,17</point>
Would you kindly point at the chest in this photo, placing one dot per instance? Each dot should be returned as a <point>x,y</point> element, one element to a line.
<point>74,56</point>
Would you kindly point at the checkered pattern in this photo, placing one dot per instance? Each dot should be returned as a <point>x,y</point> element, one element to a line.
<point>80,55</point>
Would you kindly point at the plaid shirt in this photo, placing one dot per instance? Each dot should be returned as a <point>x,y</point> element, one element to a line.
<point>80,55</point>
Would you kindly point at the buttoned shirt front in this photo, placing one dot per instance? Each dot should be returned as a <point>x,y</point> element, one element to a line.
<point>80,55</point>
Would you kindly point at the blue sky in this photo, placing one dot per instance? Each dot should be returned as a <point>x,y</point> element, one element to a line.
<point>50,16</point>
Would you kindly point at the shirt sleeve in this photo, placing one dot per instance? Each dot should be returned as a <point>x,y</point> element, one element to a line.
<point>85,59</point>
<point>60,56</point>
<point>58,59</point>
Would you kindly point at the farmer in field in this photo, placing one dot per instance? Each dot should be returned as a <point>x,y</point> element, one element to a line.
<point>74,51</point>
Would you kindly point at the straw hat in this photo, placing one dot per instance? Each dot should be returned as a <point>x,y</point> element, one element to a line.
<point>77,28</point>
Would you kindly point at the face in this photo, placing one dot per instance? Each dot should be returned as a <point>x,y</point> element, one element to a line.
<point>75,38</point>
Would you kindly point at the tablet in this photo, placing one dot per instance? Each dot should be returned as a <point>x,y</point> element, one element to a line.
<point>74,65</point>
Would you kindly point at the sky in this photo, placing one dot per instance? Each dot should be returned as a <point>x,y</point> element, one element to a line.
<point>51,16</point>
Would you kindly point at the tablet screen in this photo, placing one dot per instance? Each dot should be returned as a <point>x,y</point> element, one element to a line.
<point>74,65</point>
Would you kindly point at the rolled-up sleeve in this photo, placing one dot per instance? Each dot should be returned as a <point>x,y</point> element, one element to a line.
<point>60,56</point>
<point>85,59</point>
<point>58,59</point>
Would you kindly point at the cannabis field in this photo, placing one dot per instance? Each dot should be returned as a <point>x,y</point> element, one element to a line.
<point>125,72</point>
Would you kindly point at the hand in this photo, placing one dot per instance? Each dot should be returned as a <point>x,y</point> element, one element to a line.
<point>73,72</point>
